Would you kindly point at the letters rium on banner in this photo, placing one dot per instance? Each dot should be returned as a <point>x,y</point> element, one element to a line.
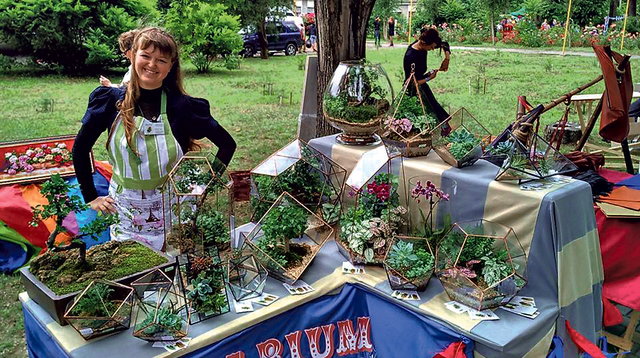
<point>349,342</point>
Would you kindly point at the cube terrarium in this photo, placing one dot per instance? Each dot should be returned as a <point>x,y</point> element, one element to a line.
<point>287,238</point>
<point>103,307</point>
<point>356,101</point>
<point>460,140</point>
<point>409,121</point>
<point>246,276</point>
<point>162,314</point>
<point>198,209</point>
<point>535,160</point>
<point>309,176</point>
<point>409,263</point>
<point>374,207</point>
<point>481,263</point>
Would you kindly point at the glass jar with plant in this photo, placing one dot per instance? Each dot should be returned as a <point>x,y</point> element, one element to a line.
<point>409,263</point>
<point>356,100</point>
<point>481,263</point>
<point>460,140</point>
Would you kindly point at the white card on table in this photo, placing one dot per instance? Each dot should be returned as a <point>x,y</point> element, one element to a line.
<point>265,299</point>
<point>298,288</point>
<point>242,306</point>
<point>349,268</point>
<point>521,311</point>
<point>524,301</point>
<point>456,307</point>
<point>407,295</point>
<point>484,315</point>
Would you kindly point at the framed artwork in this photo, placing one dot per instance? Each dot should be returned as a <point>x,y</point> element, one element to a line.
<point>35,160</point>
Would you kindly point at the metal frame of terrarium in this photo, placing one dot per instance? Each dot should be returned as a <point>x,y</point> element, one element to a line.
<point>175,201</point>
<point>398,281</point>
<point>119,320</point>
<point>411,145</point>
<point>246,276</point>
<point>381,160</point>
<point>286,159</point>
<point>524,169</point>
<point>460,119</point>
<point>317,232</point>
<point>456,279</point>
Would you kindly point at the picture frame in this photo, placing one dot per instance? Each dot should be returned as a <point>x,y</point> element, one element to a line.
<point>36,160</point>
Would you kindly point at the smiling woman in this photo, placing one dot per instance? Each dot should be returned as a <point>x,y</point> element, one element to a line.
<point>152,67</point>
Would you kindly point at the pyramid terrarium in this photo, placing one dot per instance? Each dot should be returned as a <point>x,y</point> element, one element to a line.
<point>287,238</point>
<point>537,160</point>
<point>409,121</point>
<point>374,206</point>
<point>309,176</point>
<point>198,207</point>
<point>460,140</point>
<point>409,263</point>
<point>246,276</point>
<point>103,307</point>
<point>481,263</point>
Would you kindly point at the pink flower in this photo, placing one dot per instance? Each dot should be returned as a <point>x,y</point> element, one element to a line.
<point>28,168</point>
<point>11,171</point>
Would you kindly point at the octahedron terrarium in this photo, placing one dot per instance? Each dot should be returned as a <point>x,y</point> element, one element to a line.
<point>409,121</point>
<point>287,238</point>
<point>356,100</point>
<point>103,307</point>
<point>245,275</point>
<point>536,160</point>
<point>198,208</point>
<point>374,206</point>
<point>409,263</point>
<point>481,263</point>
<point>460,140</point>
<point>309,176</point>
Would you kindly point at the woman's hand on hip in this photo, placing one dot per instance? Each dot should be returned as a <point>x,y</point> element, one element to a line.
<point>103,204</point>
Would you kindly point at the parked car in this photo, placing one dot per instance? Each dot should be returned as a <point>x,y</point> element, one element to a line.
<point>284,36</point>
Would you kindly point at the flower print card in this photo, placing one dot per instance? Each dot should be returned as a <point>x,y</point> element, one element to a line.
<point>523,306</point>
<point>349,268</point>
<point>298,288</point>
<point>242,306</point>
<point>406,295</point>
<point>456,307</point>
<point>484,315</point>
<point>265,299</point>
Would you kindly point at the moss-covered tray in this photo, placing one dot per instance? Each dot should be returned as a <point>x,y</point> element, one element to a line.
<point>55,278</point>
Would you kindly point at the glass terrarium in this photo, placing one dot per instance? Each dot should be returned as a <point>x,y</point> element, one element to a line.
<point>409,263</point>
<point>198,209</point>
<point>151,283</point>
<point>162,313</point>
<point>375,206</point>
<point>409,121</point>
<point>287,238</point>
<point>537,160</point>
<point>481,263</point>
<point>356,100</point>
<point>103,307</point>
<point>460,140</point>
<point>306,174</point>
<point>245,275</point>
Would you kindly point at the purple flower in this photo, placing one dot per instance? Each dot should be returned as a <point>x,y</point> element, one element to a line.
<point>28,168</point>
<point>11,171</point>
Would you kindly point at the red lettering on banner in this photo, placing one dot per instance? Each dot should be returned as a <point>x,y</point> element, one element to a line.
<point>364,339</point>
<point>271,348</point>
<point>347,339</point>
<point>235,355</point>
<point>313,334</point>
<point>294,344</point>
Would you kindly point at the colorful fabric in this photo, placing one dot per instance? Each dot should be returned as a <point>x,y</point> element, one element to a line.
<point>624,197</point>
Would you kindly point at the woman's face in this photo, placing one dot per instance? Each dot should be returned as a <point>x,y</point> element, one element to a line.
<point>152,67</point>
<point>427,47</point>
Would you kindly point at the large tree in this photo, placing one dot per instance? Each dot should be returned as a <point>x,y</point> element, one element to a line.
<point>495,7</point>
<point>342,29</point>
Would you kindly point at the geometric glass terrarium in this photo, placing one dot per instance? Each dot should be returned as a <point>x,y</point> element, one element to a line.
<point>246,275</point>
<point>103,307</point>
<point>374,206</point>
<point>287,238</point>
<point>481,263</point>
<point>460,140</point>
<point>537,160</point>
<point>309,176</point>
<point>198,209</point>
<point>409,263</point>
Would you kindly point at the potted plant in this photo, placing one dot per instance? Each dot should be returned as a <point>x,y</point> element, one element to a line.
<point>409,263</point>
<point>481,263</point>
<point>103,307</point>
<point>54,278</point>
<point>356,100</point>
<point>460,140</point>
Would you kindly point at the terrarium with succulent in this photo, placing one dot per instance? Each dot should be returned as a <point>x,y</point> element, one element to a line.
<point>460,140</point>
<point>409,263</point>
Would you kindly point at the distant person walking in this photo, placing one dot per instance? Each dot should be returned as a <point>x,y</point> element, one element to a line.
<point>392,32</point>
<point>313,36</point>
<point>376,26</point>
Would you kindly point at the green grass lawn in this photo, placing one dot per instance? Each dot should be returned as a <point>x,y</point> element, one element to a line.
<point>261,125</point>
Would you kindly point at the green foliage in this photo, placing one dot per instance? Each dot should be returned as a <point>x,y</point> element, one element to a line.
<point>412,262</point>
<point>475,247</point>
<point>331,212</point>
<point>95,302</point>
<point>462,142</point>
<point>70,35</point>
<point>281,224</point>
<point>6,62</point>
<point>503,148</point>
<point>339,107</point>
<point>207,294</point>
<point>453,10</point>
<point>529,33</point>
<point>496,267</point>
<point>163,319</point>
<point>205,31</point>
<point>213,227</point>
<point>356,233</point>
<point>421,117</point>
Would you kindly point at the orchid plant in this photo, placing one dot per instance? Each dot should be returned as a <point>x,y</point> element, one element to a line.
<point>429,192</point>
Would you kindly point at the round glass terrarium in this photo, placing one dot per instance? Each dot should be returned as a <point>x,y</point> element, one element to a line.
<point>357,100</point>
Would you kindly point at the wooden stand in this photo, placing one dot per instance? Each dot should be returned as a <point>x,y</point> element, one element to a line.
<point>625,343</point>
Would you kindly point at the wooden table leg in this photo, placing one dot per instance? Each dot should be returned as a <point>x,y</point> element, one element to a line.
<point>580,115</point>
<point>625,343</point>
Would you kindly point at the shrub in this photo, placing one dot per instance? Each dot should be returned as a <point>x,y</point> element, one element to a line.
<point>529,33</point>
<point>453,10</point>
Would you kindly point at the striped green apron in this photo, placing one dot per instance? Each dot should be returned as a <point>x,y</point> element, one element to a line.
<point>136,179</point>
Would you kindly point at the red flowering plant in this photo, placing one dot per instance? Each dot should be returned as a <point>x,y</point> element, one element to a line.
<point>429,191</point>
<point>38,157</point>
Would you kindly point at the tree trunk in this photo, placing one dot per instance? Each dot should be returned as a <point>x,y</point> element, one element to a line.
<point>493,28</point>
<point>342,27</point>
<point>632,7</point>
<point>262,39</point>
<point>612,8</point>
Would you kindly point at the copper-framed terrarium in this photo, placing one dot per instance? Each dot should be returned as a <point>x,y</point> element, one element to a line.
<point>356,100</point>
<point>409,263</point>
<point>409,121</point>
<point>305,173</point>
<point>246,276</point>
<point>481,263</point>
<point>103,307</point>
<point>287,238</point>
<point>460,139</point>
<point>198,206</point>
<point>374,206</point>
